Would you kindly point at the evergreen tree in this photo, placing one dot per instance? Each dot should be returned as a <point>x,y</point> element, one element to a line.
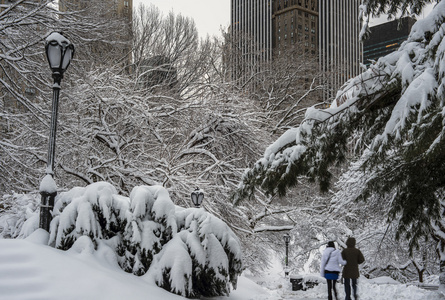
<point>394,115</point>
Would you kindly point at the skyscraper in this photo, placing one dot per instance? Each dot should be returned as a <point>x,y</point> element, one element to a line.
<point>341,51</point>
<point>386,38</point>
<point>328,28</point>
<point>295,24</point>
<point>119,8</point>
<point>251,33</point>
<point>115,23</point>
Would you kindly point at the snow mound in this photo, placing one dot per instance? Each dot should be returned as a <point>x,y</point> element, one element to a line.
<point>185,251</point>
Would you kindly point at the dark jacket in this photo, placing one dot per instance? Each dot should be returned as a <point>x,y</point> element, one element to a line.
<point>353,258</point>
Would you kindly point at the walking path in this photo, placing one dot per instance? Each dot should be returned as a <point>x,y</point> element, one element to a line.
<point>383,288</point>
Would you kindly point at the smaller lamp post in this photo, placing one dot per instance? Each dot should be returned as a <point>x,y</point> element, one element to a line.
<point>286,241</point>
<point>197,197</point>
<point>59,52</point>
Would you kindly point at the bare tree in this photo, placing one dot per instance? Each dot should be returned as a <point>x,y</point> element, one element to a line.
<point>175,120</point>
<point>168,54</point>
<point>25,79</point>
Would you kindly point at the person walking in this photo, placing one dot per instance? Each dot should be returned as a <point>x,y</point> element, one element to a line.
<point>353,257</point>
<point>330,267</point>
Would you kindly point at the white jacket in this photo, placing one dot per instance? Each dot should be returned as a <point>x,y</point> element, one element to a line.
<point>335,260</point>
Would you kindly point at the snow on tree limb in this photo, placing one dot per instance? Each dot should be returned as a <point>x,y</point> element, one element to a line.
<point>396,108</point>
<point>404,82</point>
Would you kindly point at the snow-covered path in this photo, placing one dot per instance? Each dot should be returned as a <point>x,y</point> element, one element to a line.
<point>280,288</point>
<point>31,271</point>
<point>368,290</point>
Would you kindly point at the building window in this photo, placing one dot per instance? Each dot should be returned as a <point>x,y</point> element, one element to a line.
<point>126,4</point>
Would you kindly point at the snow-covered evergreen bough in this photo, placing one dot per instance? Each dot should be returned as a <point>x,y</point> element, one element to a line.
<point>394,113</point>
<point>186,251</point>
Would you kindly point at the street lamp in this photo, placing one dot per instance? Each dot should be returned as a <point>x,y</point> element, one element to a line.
<point>59,52</point>
<point>197,197</point>
<point>287,240</point>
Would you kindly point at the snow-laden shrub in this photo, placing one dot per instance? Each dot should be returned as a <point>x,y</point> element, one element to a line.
<point>185,251</point>
<point>95,211</point>
<point>150,227</point>
<point>15,209</point>
<point>212,246</point>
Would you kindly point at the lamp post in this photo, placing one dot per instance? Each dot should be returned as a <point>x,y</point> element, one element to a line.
<point>59,52</point>
<point>197,197</point>
<point>286,241</point>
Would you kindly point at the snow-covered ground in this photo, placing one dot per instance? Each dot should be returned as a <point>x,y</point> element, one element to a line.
<point>30,270</point>
<point>279,288</point>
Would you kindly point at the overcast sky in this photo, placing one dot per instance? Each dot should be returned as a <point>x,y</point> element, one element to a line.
<point>209,15</point>
<point>384,19</point>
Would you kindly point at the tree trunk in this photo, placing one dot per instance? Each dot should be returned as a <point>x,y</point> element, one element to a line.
<point>420,272</point>
<point>439,236</point>
<point>442,274</point>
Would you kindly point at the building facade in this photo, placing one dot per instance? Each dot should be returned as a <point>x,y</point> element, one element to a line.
<point>117,8</point>
<point>340,50</point>
<point>251,36</point>
<point>329,29</point>
<point>295,24</point>
<point>116,17</point>
<point>386,38</point>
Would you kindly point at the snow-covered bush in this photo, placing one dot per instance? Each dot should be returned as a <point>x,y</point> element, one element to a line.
<point>15,209</point>
<point>186,251</point>
<point>214,250</point>
<point>95,211</point>
<point>150,227</point>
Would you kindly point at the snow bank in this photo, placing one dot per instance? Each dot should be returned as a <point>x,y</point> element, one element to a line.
<point>186,251</point>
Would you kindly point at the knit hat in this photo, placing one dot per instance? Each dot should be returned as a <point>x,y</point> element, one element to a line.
<point>350,242</point>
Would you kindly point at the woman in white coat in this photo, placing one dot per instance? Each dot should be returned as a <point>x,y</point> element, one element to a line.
<point>330,267</point>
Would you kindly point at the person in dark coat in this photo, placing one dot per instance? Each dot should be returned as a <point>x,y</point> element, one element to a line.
<point>353,257</point>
